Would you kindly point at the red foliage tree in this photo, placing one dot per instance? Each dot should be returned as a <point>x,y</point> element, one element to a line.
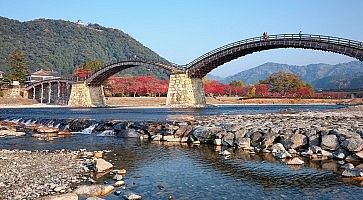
<point>262,90</point>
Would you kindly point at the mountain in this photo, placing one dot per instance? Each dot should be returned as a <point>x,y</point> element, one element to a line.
<point>214,77</point>
<point>62,45</point>
<point>321,76</point>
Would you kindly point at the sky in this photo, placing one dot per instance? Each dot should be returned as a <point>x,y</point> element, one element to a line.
<point>182,30</point>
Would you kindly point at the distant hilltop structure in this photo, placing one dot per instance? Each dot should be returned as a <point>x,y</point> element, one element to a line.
<point>80,22</point>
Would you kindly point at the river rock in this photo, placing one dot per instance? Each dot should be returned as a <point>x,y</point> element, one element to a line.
<point>45,129</point>
<point>243,143</point>
<point>183,131</point>
<point>329,142</point>
<point>93,190</point>
<point>102,165</point>
<point>225,153</point>
<point>295,161</point>
<point>217,142</point>
<point>68,196</point>
<point>11,133</point>
<point>228,139</point>
<point>353,144</point>
<point>256,138</point>
<point>355,172</point>
<point>132,196</point>
<point>205,134</point>
<point>348,166</point>
<point>268,140</point>
<point>117,177</point>
<point>359,154</point>
<point>295,141</point>
<point>94,198</point>
<point>281,154</point>
<point>170,138</point>
<point>278,147</point>
<point>119,183</point>
<point>128,133</point>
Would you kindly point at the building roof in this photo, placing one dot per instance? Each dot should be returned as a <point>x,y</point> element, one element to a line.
<point>43,72</point>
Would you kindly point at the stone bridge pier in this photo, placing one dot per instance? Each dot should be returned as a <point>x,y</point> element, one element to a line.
<point>83,95</point>
<point>185,91</point>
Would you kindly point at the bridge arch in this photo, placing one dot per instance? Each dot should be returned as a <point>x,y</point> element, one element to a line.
<point>98,77</point>
<point>201,66</point>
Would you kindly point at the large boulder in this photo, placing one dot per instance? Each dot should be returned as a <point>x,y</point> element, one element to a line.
<point>93,190</point>
<point>132,196</point>
<point>183,131</point>
<point>228,139</point>
<point>68,196</point>
<point>205,134</point>
<point>295,141</point>
<point>277,147</point>
<point>295,161</point>
<point>353,144</point>
<point>256,138</point>
<point>329,142</point>
<point>355,172</point>
<point>268,140</point>
<point>102,166</point>
<point>243,143</point>
<point>45,129</point>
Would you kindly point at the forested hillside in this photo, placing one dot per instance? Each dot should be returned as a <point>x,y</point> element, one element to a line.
<point>62,45</point>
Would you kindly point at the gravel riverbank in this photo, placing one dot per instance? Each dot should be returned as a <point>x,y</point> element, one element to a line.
<point>29,175</point>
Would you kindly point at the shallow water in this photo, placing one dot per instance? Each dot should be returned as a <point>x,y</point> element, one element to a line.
<point>144,114</point>
<point>157,171</point>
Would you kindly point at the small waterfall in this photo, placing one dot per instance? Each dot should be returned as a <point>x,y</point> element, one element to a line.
<point>57,125</point>
<point>88,130</point>
<point>107,133</point>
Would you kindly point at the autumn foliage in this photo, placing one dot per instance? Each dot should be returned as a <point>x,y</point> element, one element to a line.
<point>137,86</point>
<point>273,86</point>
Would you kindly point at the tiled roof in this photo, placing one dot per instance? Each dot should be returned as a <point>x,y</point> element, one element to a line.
<point>42,72</point>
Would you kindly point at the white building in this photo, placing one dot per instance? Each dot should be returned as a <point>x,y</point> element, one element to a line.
<point>41,75</point>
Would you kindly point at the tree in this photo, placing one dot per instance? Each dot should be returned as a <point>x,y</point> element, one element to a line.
<point>92,65</point>
<point>237,83</point>
<point>235,87</point>
<point>18,66</point>
<point>251,91</point>
<point>283,82</point>
<point>262,90</point>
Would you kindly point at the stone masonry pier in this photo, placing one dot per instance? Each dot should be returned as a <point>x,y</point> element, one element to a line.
<point>83,95</point>
<point>185,91</point>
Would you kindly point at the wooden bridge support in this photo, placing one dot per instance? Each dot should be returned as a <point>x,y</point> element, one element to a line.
<point>83,95</point>
<point>185,91</point>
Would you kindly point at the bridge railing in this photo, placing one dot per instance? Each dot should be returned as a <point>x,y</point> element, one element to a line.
<point>305,37</point>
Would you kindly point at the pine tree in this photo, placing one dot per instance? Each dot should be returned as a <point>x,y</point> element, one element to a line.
<point>18,66</point>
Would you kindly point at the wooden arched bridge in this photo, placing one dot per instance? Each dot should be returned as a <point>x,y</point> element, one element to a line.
<point>186,86</point>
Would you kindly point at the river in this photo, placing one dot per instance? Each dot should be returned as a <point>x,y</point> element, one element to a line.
<point>158,171</point>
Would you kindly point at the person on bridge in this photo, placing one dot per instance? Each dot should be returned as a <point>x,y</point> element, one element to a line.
<point>300,35</point>
<point>264,35</point>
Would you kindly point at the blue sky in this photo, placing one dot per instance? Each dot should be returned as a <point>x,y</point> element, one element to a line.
<point>182,30</point>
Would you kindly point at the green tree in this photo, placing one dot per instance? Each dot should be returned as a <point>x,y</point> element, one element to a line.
<point>237,83</point>
<point>251,91</point>
<point>283,82</point>
<point>92,65</point>
<point>18,66</point>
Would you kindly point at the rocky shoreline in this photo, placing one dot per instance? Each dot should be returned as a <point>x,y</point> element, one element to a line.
<point>289,137</point>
